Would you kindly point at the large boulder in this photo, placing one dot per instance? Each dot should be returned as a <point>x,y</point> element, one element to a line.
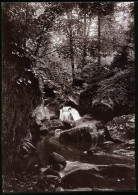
<point>111,97</point>
<point>83,133</point>
<point>122,128</point>
<point>115,96</point>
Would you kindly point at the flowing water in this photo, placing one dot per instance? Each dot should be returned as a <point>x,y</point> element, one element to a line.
<point>69,114</point>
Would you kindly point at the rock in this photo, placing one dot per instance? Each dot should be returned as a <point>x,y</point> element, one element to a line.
<point>115,176</point>
<point>122,128</point>
<point>52,125</point>
<point>55,160</point>
<point>114,96</point>
<point>81,133</point>
<point>81,137</point>
<point>111,97</point>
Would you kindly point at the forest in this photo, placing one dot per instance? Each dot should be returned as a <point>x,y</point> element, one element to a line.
<point>68,96</point>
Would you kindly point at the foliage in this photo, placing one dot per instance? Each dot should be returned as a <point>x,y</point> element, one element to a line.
<point>27,145</point>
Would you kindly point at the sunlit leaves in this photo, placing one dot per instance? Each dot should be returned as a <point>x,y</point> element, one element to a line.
<point>41,31</point>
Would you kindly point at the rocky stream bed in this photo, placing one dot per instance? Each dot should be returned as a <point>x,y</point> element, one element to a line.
<point>78,155</point>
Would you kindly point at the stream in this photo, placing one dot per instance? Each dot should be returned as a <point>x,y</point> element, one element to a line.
<point>90,166</point>
<point>107,168</point>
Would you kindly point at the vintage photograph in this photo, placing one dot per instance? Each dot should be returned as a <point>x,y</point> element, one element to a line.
<point>68,96</point>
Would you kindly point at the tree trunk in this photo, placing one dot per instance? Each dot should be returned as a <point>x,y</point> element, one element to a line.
<point>84,42</point>
<point>71,44</point>
<point>99,46</point>
<point>72,56</point>
<point>18,102</point>
<point>88,31</point>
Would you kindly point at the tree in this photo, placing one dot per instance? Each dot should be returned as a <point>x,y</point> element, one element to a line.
<point>68,8</point>
<point>101,9</point>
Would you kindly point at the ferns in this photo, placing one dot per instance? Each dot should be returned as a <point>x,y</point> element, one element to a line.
<point>27,145</point>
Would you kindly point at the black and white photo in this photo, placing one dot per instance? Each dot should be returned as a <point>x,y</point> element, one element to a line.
<point>68,96</point>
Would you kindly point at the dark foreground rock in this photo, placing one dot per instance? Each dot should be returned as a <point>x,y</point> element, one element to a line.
<point>114,176</point>
<point>122,128</point>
